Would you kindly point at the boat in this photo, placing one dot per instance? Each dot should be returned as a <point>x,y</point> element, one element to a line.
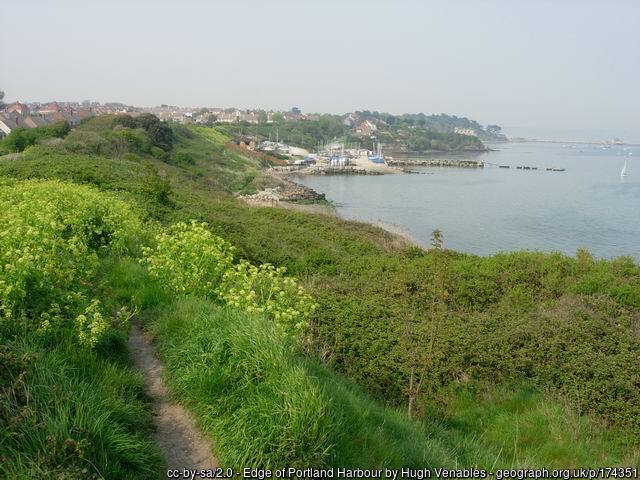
<point>623,173</point>
<point>377,157</point>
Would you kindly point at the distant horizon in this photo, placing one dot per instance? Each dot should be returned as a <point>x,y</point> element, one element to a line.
<point>570,64</point>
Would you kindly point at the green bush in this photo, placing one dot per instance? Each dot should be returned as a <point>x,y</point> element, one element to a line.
<point>50,236</point>
<point>189,259</point>
<point>21,138</point>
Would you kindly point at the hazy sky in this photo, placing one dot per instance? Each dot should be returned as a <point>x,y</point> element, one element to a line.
<point>571,64</point>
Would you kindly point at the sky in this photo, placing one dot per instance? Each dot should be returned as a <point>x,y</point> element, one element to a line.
<point>530,64</point>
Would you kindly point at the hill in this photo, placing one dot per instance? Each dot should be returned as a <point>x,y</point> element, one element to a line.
<point>390,355</point>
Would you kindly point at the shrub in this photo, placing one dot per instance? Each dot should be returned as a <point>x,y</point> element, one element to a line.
<point>159,133</point>
<point>86,142</point>
<point>21,138</point>
<point>265,290</point>
<point>50,236</point>
<point>189,259</point>
<point>123,140</point>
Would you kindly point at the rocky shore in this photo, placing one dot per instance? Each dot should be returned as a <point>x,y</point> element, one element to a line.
<point>290,191</point>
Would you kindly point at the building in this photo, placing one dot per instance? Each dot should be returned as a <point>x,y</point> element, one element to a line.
<point>7,123</point>
<point>18,108</point>
<point>366,128</point>
<point>469,132</point>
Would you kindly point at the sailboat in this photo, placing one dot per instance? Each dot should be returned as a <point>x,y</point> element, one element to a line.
<point>377,157</point>
<point>623,173</point>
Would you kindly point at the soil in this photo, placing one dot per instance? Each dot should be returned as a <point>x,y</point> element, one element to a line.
<point>177,434</point>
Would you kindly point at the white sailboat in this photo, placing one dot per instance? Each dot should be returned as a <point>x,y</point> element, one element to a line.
<point>623,173</point>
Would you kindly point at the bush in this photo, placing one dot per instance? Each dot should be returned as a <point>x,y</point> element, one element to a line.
<point>189,259</point>
<point>123,140</point>
<point>50,236</point>
<point>21,138</point>
<point>158,153</point>
<point>159,133</point>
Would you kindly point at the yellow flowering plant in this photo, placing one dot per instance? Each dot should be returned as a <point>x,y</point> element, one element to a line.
<point>189,259</point>
<point>50,235</point>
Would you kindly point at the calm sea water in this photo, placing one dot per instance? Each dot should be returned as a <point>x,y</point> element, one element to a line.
<point>484,211</point>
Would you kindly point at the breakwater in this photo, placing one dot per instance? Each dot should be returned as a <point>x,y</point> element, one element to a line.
<point>346,170</point>
<point>436,163</point>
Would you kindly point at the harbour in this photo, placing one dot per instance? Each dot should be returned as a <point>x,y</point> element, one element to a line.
<point>582,202</point>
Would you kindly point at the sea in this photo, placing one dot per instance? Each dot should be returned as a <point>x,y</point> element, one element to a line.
<point>491,209</point>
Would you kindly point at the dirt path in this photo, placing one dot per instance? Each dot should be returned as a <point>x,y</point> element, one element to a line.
<point>177,433</point>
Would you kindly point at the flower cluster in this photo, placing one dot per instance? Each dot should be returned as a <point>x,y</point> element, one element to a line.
<point>265,290</point>
<point>189,259</point>
<point>50,235</point>
<point>91,324</point>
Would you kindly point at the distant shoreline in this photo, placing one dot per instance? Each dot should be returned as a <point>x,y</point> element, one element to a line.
<point>570,142</point>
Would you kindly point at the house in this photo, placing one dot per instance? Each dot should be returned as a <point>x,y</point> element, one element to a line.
<point>7,123</point>
<point>469,132</point>
<point>18,108</point>
<point>52,107</point>
<point>366,129</point>
<point>56,117</point>
<point>350,120</point>
<point>31,121</point>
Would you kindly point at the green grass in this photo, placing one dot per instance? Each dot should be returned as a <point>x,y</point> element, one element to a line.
<point>265,406</point>
<point>72,414</point>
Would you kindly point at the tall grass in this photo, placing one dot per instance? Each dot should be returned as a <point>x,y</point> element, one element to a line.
<point>263,405</point>
<point>68,413</point>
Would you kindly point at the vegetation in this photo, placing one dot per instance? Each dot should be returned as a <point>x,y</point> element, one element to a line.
<point>306,133</point>
<point>21,138</point>
<point>411,132</point>
<point>520,359</point>
<point>441,123</point>
<point>69,406</point>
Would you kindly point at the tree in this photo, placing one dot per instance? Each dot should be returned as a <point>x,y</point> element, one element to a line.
<point>2,104</point>
<point>420,337</point>
<point>277,118</point>
<point>160,133</point>
<point>494,129</point>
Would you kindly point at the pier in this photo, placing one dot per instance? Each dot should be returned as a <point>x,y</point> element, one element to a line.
<point>436,163</point>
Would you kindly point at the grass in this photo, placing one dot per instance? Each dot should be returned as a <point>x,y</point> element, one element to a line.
<point>265,406</point>
<point>71,414</point>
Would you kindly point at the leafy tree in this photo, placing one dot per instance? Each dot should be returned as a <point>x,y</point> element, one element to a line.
<point>159,133</point>
<point>2,104</point>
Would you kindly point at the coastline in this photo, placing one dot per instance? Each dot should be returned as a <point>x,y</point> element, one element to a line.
<point>316,203</point>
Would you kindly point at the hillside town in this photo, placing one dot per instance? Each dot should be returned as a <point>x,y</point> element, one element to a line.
<point>35,114</point>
